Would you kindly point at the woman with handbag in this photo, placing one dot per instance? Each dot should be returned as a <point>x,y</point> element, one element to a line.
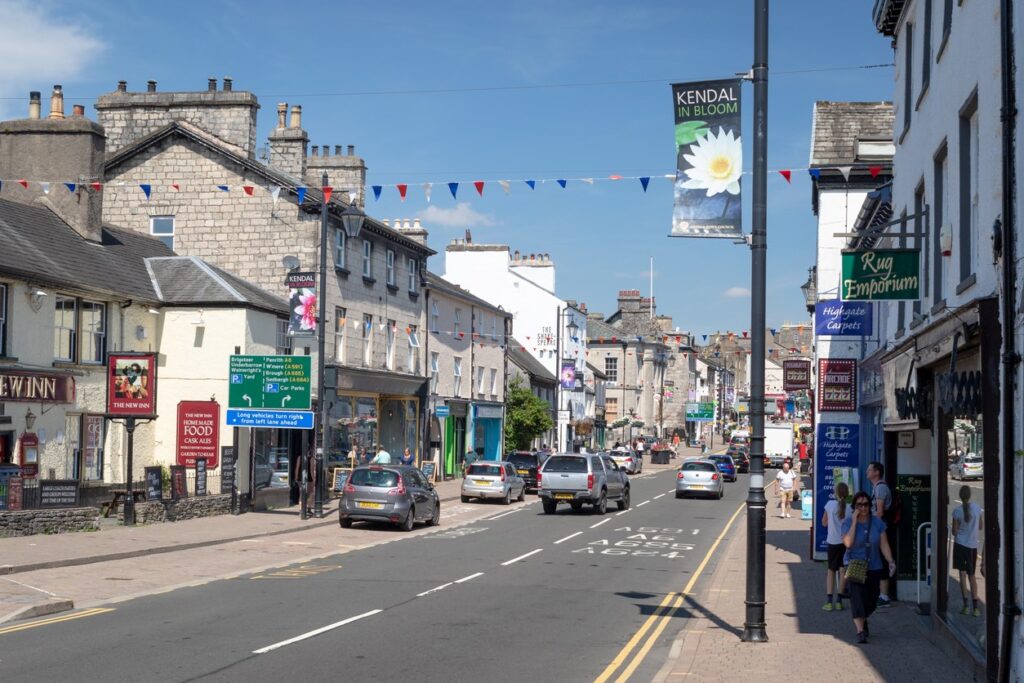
<point>866,545</point>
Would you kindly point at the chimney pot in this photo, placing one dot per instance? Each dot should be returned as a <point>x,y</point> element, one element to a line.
<point>150,86</point>
<point>282,112</point>
<point>515,255</point>
<point>57,103</point>
<point>122,86</point>
<point>316,150</point>
<point>385,221</point>
<point>33,104</point>
<point>296,120</point>
<point>351,150</point>
<point>227,84</point>
<point>337,150</point>
<point>416,223</point>
<point>211,84</point>
<point>407,224</point>
<point>78,110</point>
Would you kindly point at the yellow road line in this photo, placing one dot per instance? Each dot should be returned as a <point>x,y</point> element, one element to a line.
<point>55,620</point>
<point>661,614</point>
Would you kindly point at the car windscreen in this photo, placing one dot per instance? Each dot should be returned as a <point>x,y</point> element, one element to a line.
<point>485,470</point>
<point>522,459</point>
<point>564,463</point>
<point>378,478</point>
<point>698,467</point>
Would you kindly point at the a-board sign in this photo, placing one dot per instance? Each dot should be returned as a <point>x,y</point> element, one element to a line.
<point>154,483</point>
<point>58,493</point>
<point>15,493</point>
<point>227,468</point>
<point>916,495</point>
<point>339,478</point>
<point>200,476</point>
<point>428,469</point>
<point>179,488</point>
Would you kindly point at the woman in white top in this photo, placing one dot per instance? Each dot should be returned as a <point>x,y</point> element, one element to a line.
<point>835,513</point>
<point>967,521</point>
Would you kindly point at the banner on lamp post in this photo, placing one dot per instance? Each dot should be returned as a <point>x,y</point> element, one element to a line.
<point>302,304</point>
<point>567,377</point>
<point>709,159</point>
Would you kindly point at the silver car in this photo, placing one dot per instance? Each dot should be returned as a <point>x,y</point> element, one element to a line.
<point>628,460</point>
<point>968,466</point>
<point>493,480</point>
<point>699,477</point>
<point>398,494</point>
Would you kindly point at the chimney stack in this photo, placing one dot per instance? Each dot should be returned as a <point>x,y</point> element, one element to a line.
<point>150,86</point>
<point>57,103</point>
<point>412,229</point>
<point>296,121</point>
<point>78,110</point>
<point>227,84</point>
<point>351,150</point>
<point>33,104</point>
<point>211,85</point>
<point>122,86</point>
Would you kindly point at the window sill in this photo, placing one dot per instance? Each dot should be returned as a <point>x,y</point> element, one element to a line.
<point>938,307</point>
<point>917,321</point>
<point>899,333</point>
<point>369,281</point>
<point>342,271</point>
<point>921,96</point>
<point>8,359</point>
<point>966,283</point>
<point>393,289</point>
<point>942,46</point>
<point>71,365</point>
<point>414,296</point>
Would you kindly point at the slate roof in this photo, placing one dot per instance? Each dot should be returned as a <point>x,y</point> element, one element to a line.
<point>528,363</point>
<point>37,246</point>
<point>598,328</point>
<point>837,126</point>
<point>188,280</point>
<point>436,282</point>
<point>598,374</point>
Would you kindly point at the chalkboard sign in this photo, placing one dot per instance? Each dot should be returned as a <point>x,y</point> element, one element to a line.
<point>427,468</point>
<point>154,483</point>
<point>58,493</point>
<point>179,489</point>
<point>15,491</point>
<point>227,468</point>
<point>200,476</point>
<point>340,477</point>
<point>915,491</point>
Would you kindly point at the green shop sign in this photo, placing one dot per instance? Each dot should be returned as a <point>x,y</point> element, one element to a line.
<point>881,274</point>
<point>700,412</point>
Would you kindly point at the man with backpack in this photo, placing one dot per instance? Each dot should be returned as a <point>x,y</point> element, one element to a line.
<point>886,508</point>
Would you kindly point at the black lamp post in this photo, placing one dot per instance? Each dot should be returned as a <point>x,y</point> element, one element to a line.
<point>352,222</point>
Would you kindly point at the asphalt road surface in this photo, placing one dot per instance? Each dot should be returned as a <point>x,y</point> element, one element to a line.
<point>571,596</point>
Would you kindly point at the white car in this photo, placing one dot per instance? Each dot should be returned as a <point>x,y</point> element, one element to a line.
<point>493,480</point>
<point>968,466</point>
<point>628,460</point>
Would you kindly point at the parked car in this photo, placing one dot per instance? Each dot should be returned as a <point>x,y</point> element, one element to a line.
<point>627,459</point>
<point>526,464</point>
<point>493,480</point>
<point>726,466</point>
<point>699,477</point>
<point>579,479</point>
<point>967,466</point>
<point>398,494</point>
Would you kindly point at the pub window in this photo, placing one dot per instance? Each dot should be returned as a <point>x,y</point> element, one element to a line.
<point>284,340</point>
<point>94,332</point>
<point>65,328</point>
<point>79,330</point>
<point>3,320</point>
<point>162,227</point>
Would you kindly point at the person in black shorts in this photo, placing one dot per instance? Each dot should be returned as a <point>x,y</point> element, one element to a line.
<point>836,510</point>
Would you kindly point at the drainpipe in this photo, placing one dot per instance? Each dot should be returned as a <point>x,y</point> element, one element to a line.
<point>1011,358</point>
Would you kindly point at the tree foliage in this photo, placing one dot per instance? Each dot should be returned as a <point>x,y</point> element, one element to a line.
<point>526,416</point>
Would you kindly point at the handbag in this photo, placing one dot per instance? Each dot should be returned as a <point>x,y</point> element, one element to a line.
<point>857,570</point>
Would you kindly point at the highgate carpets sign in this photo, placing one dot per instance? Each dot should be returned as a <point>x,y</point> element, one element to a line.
<point>837,385</point>
<point>881,274</point>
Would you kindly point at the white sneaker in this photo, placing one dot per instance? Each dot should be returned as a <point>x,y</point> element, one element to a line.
<point>787,515</point>
<point>782,516</point>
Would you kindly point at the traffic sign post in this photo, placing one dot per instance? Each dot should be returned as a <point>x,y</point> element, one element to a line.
<point>269,382</point>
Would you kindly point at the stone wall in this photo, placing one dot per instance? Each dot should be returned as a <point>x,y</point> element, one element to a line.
<point>30,522</point>
<point>177,510</point>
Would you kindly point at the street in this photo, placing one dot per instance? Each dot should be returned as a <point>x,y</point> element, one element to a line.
<point>569,596</point>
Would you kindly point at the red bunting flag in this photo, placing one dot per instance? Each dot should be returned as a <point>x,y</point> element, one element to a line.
<point>744,334</point>
<point>23,183</point>
<point>401,190</point>
<point>327,190</point>
<point>479,185</point>
<point>874,171</point>
<point>614,177</point>
<point>176,186</point>
<point>248,190</point>
<point>785,173</point>
<point>96,186</point>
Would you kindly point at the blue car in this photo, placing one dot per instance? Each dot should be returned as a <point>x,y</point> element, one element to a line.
<point>725,465</point>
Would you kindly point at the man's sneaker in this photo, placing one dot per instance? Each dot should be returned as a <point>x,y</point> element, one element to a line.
<point>839,606</point>
<point>862,638</point>
<point>965,610</point>
<point>827,607</point>
<point>977,612</point>
<point>884,602</point>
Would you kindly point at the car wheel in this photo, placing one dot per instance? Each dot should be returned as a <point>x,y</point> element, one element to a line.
<point>679,494</point>
<point>345,523</point>
<point>436,518</point>
<point>549,506</point>
<point>508,496</point>
<point>410,520</point>
<point>601,506</point>
<point>624,501</point>
<point>465,499</point>
<point>721,493</point>
<point>522,495</point>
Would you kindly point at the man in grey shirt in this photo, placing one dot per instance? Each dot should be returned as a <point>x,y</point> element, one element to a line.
<point>881,500</point>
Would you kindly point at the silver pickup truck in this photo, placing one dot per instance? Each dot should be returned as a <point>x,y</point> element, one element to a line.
<point>584,478</point>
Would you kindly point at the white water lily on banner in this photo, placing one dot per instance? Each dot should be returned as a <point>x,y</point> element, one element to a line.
<point>709,159</point>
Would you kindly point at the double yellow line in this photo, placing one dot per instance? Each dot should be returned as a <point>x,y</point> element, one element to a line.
<point>55,620</point>
<point>660,619</point>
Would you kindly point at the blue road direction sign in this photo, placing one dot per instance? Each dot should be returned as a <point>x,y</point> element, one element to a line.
<point>274,382</point>
<point>270,419</point>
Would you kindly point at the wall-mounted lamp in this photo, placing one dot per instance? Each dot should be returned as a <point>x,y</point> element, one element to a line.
<point>30,420</point>
<point>35,299</point>
<point>154,311</point>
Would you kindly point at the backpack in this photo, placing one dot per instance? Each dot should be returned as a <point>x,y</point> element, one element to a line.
<point>894,515</point>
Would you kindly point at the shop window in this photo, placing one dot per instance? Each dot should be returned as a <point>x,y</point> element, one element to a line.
<point>457,375</point>
<point>611,409</point>
<point>340,240</point>
<point>389,356</point>
<point>162,227</point>
<point>92,448</point>
<point>284,340</point>
<point>413,366</point>
<point>340,325</point>
<point>965,585</point>
<point>3,320</point>
<point>434,361</point>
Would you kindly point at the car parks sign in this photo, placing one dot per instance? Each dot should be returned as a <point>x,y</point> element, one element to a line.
<point>275,382</point>
<point>700,412</point>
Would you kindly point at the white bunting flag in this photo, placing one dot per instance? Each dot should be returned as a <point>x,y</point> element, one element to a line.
<point>845,170</point>
<point>427,188</point>
<point>505,186</point>
<point>45,187</point>
<point>275,194</point>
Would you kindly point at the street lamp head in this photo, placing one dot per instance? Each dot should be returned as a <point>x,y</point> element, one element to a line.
<point>352,220</point>
<point>290,262</point>
<point>810,290</point>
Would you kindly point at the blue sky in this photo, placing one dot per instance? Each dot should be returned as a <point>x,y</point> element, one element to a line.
<point>458,91</point>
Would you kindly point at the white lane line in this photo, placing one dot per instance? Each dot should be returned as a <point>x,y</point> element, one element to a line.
<point>297,543</point>
<point>562,540</point>
<point>311,634</point>
<point>640,505</point>
<point>521,557</point>
<point>659,496</point>
<point>434,590</point>
<point>603,521</point>
<point>619,514</point>
<point>464,579</point>
<point>696,531</point>
<point>505,514</point>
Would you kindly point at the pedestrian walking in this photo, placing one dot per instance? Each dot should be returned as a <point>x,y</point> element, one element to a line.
<point>469,460</point>
<point>407,457</point>
<point>835,513</point>
<point>785,487</point>
<point>881,501</point>
<point>866,546</point>
<point>382,457</point>
<point>967,521</point>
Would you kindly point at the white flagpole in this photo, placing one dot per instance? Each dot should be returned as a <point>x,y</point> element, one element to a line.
<point>652,288</point>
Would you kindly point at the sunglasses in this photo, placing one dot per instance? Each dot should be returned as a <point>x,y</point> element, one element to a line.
<point>863,505</point>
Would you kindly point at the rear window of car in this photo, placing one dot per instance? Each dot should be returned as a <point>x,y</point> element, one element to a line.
<point>564,463</point>
<point>697,467</point>
<point>485,470</point>
<point>973,459</point>
<point>721,458</point>
<point>378,478</point>
<point>522,459</point>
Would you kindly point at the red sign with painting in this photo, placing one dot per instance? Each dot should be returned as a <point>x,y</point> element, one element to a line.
<point>796,375</point>
<point>198,433</point>
<point>131,385</point>
<point>837,385</point>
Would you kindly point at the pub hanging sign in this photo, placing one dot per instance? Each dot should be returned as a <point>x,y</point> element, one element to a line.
<point>881,275</point>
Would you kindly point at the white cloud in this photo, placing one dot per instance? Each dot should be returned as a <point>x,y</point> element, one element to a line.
<point>40,46</point>
<point>736,292</point>
<point>462,215</point>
